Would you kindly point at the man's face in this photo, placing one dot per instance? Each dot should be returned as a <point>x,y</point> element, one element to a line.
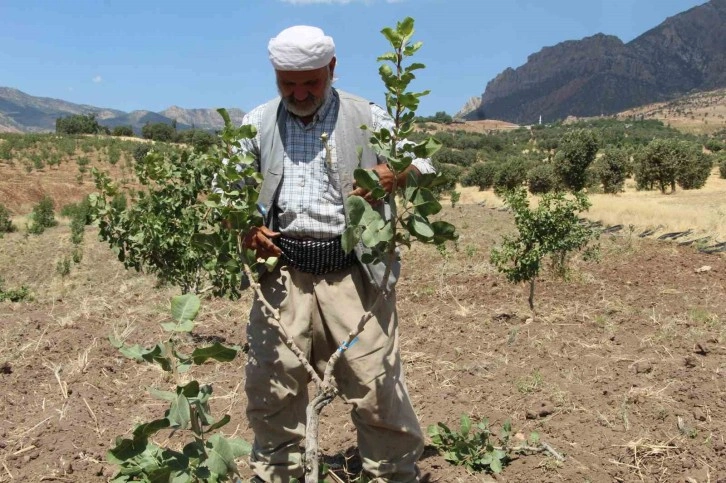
<point>303,92</point>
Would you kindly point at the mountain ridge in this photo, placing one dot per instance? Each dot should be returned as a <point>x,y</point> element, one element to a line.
<point>601,74</point>
<point>22,112</point>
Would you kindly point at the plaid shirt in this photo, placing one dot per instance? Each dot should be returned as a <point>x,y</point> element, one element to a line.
<point>310,202</point>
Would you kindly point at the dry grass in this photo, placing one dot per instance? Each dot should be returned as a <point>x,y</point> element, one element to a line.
<point>703,210</point>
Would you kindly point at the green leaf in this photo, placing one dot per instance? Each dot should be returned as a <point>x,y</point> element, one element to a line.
<point>225,116</point>
<point>495,466</point>
<point>350,238</point>
<point>405,27</point>
<point>221,455</point>
<point>443,231</point>
<point>356,209</point>
<point>163,395</point>
<point>190,390</point>
<point>391,56</point>
<point>392,36</point>
<point>180,412</point>
<point>366,179</point>
<point>420,228</point>
<point>184,307</point>
<point>150,429</point>
<point>217,352</point>
<point>465,424</point>
<point>426,203</point>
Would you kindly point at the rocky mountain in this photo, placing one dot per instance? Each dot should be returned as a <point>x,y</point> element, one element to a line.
<point>202,117</point>
<point>470,106</point>
<point>21,112</point>
<point>602,75</point>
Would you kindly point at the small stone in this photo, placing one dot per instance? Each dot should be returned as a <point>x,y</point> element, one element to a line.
<point>687,463</point>
<point>699,415</point>
<point>690,362</point>
<point>705,268</point>
<point>644,367</point>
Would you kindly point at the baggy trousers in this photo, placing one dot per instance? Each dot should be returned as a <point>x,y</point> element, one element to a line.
<point>318,312</point>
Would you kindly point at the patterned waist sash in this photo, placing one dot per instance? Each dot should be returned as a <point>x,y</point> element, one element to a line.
<point>315,256</point>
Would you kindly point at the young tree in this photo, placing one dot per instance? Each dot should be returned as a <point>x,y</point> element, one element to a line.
<point>481,175</point>
<point>542,179</point>
<point>123,131</point>
<point>78,124</point>
<point>550,229</point>
<point>158,131</point>
<point>666,162</point>
<point>577,150</point>
<point>612,169</point>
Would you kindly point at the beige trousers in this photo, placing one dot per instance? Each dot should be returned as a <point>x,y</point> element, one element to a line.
<point>318,311</point>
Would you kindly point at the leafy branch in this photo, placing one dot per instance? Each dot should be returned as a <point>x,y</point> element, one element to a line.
<point>210,456</point>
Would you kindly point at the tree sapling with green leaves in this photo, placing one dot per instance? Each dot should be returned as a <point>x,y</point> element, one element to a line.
<point>552,228</point>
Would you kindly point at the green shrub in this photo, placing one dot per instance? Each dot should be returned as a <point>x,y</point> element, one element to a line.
<point>42,216</point>
<point>721,160</point>
<point>541,179</point>
<point>14,294</point>
<point>81,210</point>
<point>6,222</point>
<point>63,266</point>
<point>612,168</point>
<point>511,175</point>
<point>140,151</point>
<point>451,174</point>
<point>480,175</point>
<point>694,172</point>
<point>123,131</point>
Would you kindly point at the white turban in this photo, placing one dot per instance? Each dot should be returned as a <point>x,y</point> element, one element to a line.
<point>301,48</point>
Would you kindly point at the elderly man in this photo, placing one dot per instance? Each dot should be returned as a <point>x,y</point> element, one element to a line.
<point>320,290</point>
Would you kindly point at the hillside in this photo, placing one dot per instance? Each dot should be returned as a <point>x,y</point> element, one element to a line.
<point>701,112</point>
<point>602,75</point>
<point>21,112</point>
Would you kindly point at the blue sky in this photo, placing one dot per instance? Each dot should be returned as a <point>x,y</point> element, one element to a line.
<point>151,54</point>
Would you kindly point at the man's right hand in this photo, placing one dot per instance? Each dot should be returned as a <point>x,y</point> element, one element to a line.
<point>259,238</point>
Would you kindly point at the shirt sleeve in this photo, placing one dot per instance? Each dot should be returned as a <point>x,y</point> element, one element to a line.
<point>381,119</point>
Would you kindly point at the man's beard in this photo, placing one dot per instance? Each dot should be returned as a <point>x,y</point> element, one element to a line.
<point>309,106</point>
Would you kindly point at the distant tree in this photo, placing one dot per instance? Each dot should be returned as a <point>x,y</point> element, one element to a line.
<point>542,179</point>
<point>42,216</point>
<point>721,162</point>
<point>511,175</point>
<point>451,174</point>
<point>78,124</point>
<point>440,117</point>
<point>200,139</point>
<point>158,131</point>
<point>577,150</point>
<point>612,169</point>
<point>666,162</point>
<point>480,175</point>
<point>694,168</point>
<point>714,145</point>
<point>459,157</point>
<point>123,131</point>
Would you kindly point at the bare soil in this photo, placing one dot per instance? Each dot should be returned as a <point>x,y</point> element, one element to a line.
<point>622,369</point>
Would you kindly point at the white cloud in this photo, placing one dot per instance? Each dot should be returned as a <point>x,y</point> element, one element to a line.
<point>97,79</point>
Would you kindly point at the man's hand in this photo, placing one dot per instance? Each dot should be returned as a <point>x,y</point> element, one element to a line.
<point>259,238</point>
<point>385,176</point>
